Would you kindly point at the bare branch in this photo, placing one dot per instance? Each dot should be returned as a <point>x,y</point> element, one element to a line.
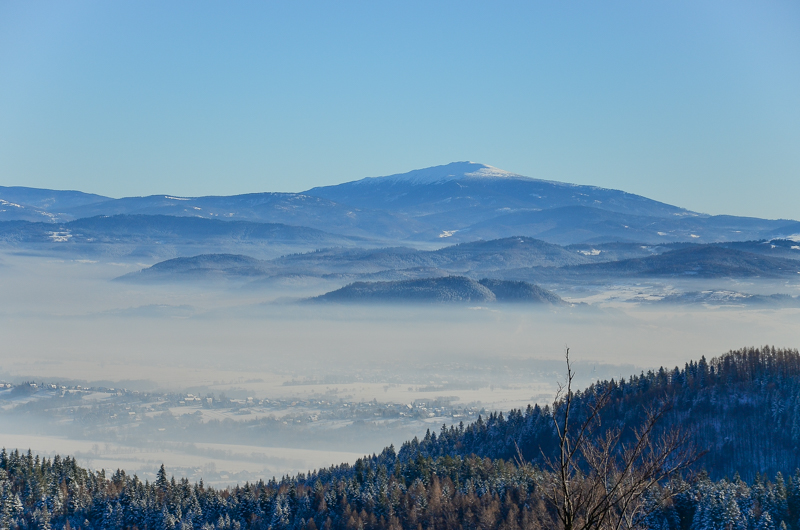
<point>600,482</point>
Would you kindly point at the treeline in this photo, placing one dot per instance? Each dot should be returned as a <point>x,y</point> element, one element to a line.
<point>441,493</point>
<point>742,407</point>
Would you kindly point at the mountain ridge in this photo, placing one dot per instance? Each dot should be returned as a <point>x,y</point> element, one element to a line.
<point>701,261</point>
<point>512,259</point>
<point>461,185</point>
<point>460,201</point>
<point>155,235</point>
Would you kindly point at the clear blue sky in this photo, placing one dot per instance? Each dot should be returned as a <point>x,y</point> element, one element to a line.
<point>693,103</point>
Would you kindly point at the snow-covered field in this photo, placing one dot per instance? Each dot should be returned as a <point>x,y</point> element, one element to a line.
<point>216,464</point>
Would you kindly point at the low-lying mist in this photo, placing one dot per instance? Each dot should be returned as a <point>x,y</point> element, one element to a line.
<point>301,370</point>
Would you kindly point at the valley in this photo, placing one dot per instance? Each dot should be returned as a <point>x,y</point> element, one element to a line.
<point>265,335</point>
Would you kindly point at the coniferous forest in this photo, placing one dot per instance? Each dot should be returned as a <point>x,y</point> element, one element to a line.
<point>740,413</point>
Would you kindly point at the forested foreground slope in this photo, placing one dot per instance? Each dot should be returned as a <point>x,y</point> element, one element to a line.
<point>438,483</point>
<point>377,492</point>
<point>742,407</point>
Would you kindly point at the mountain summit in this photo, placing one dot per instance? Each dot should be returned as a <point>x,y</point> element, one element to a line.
<point>445,173</point>
<point>454,197</point>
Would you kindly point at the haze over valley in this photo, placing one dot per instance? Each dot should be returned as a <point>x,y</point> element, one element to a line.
<point>265,334</point>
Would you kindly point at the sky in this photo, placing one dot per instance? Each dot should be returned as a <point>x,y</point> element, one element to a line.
<point>694,103</point>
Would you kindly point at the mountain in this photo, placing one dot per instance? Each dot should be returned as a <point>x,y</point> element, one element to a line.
<point>621,250</point>
<point>466,201</point>
<point>480,256</point>
<point>457,202</point>
<point>585,224</point>
<point>779,248</point>
<point>160,235</point>
<point>51,200</point>
<point>572,224</point>
<point>471,186</point>
<point>285,208</point>
<point>701,261</point>
<point>709,261</point>
<point>731,298</point>
<point>505,253</point>
<point>18,203</point>
<point>445,289</point>
<point>392,263</point>
<point>516,258</point>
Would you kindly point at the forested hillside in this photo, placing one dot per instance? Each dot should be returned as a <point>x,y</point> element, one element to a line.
<point>742,407</point>
<point>445,289</point>
<point>377,492</point>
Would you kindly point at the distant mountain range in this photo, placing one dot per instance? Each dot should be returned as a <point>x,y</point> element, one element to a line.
<point>441,233</point>
<point>700,261</point>
<point>32,204</point>
<point>163,236</point>
<point>731,298</point>
<point>511,259</point>
<point>482,256</point>
<point>459,202</point>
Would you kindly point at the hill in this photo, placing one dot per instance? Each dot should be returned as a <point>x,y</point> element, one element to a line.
<point>204,266</point>
<point>517,258</point>
<point>509,291</point>
<point>744,407</point>
<point>442,289</point>
<point>475,256</point>
<point>396,262</point>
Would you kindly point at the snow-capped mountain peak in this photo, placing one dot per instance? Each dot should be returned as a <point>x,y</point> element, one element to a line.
<point>445,173</point>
